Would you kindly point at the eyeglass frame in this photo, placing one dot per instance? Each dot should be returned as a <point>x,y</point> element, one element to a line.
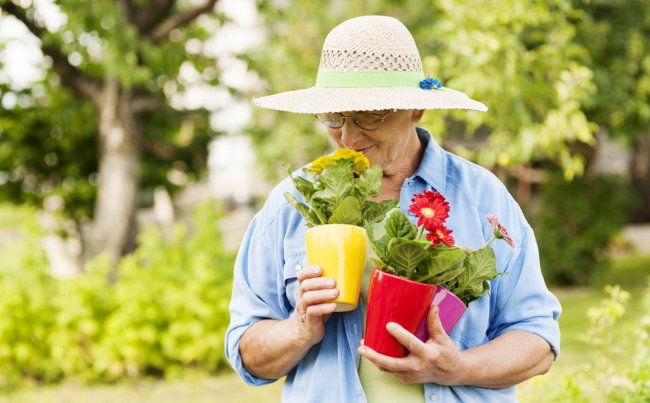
<point>355,120</point>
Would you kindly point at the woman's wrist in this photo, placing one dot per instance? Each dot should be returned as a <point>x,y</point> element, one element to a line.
<point>300,333</point>
<point>467,371</point>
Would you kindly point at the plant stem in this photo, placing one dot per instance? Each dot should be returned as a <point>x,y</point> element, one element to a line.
<point>322,220</point>
<point>490,241</point>
<point>420,232</point>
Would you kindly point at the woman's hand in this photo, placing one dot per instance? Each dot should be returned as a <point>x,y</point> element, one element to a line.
<point>271,348</point>
<point>312,306</point>
<point>436,360</point>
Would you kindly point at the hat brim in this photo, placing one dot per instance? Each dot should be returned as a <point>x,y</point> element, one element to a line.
<point>324,100</point>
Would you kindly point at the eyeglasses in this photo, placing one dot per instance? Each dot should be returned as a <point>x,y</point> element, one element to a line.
<point>365,120</point>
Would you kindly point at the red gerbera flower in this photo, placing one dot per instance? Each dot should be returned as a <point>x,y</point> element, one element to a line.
<point>441,234</point>
<point>500,231</point>
<point>430,208</point>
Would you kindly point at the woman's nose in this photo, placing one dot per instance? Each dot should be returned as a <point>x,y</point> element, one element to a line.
<point>350,134</point>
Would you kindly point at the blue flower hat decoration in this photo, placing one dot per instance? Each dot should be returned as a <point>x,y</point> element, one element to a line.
<point>429,83</point>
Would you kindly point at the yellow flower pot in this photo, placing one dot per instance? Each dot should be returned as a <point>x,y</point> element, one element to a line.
<point>341,250</point>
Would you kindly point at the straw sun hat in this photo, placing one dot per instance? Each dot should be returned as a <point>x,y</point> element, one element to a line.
<point>370,63</point>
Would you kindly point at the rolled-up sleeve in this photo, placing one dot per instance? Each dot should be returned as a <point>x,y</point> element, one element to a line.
<point>523,301</point>
<point>256,293</point>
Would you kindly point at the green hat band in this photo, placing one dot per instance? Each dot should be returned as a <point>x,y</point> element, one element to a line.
<point>358,79</point>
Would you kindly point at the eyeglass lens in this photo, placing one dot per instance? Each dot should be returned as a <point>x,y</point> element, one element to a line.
<point>365,120</point>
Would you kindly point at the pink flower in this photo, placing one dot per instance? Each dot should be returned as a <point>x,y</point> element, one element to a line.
<point>500,231</point>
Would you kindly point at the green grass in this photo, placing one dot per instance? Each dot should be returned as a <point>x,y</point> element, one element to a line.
<point>632,274</point>
<point>227,388</point>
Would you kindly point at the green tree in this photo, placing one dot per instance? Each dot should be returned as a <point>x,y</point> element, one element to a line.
<point>100,124</point>
<point>616,35</point>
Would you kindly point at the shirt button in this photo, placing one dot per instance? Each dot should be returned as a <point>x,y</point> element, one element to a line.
<point>433,397</point>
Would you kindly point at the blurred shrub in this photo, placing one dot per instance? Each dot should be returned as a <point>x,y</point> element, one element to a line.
<point>164,310</point>
<point>600,379</point>
<point>576,222</point>
<point>636,387</point>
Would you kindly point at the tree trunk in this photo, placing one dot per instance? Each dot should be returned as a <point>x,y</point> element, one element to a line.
<point>641,176</point>
<point>119,156</point>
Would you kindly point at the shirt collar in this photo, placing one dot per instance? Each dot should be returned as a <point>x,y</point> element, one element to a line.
<point>433,165</point>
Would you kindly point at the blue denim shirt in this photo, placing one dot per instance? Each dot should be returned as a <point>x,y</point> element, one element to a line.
<point>265,284</point>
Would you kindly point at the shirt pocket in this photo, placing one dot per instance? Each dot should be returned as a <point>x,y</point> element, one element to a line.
<point>293,261</point>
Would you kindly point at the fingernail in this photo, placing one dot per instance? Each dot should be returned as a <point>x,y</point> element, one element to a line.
<point>331,282</point>
<point>316,269</point>
<point>390,326</point>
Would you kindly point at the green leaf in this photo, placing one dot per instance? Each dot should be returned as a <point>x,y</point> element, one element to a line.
<point>406,256</point>
<point>380,246</point>
<point>480,267</point>
<point>338,179</point>
<point>302,208</point>
<point>381,265</point>
<point>303,186</point>
<point>347,212</point>
<point>444,260</point>
<point>446,277</point>
<point>326,195</point>
<point>376,211</point>
<point>399,226</point>
<point>369,183</point>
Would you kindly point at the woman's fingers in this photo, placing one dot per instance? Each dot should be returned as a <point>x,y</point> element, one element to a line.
<point>407,339</point>
<point>383,362</point>
<point>315,290</point>
<point>317,283</point>
<point>315,293</point>
<point>319,296</point>
<point>309,272</point>
<point>322,310</point>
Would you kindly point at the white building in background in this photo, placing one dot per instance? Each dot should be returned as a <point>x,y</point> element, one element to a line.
<point>234,177</point>
<point>235,180</point>
<point>611,158</point>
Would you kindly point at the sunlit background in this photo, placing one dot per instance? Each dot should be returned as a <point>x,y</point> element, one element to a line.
<point>132,160</point>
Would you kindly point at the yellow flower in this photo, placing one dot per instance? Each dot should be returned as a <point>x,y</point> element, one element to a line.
<point>318,165</point>
<point>360,161</point>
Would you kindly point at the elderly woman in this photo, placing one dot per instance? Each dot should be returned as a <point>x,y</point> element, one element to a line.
<point>370,93</point>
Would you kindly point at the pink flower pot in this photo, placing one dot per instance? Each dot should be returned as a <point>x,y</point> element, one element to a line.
<point>450,310</point>
<point>394,299</point>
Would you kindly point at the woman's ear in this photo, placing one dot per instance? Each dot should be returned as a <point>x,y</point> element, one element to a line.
<point>417,115</point>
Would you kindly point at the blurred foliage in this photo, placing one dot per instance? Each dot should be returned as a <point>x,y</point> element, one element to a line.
<point>49,140</point>
<point>165,311</point>
<point>522,59</point>
<point>616,35</point>
<point>50,150</point>
<point>576,222</point>
<point>601,379</point>
<point>551,72</point>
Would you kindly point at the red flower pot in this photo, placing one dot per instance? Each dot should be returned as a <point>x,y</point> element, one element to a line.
<point>394,299</point>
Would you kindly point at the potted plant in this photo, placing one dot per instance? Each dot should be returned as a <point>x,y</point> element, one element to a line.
<point>419,264</point>
<point>338,189</point>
